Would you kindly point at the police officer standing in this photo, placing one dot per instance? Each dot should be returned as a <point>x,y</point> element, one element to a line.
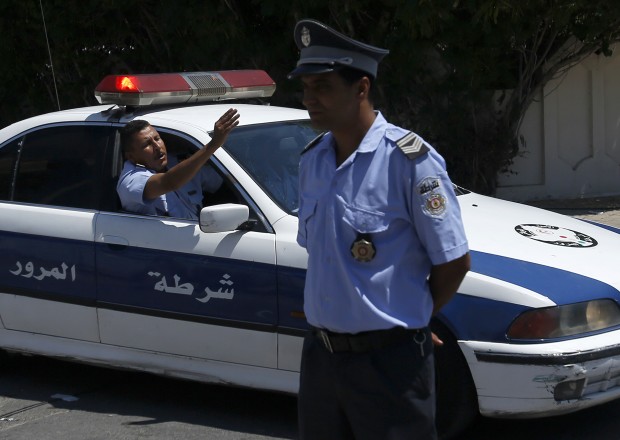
<point>386,246</point>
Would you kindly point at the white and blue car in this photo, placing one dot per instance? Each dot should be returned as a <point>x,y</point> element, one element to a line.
<point>533,331</point>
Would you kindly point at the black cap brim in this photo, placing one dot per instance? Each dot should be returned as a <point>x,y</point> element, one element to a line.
<point>311,69</point>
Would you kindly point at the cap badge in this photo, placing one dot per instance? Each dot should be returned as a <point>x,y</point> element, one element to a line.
<point>363,248</point>
<point>305,36</point>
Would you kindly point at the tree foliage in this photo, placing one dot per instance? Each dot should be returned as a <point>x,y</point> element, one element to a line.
<point>461,72</point>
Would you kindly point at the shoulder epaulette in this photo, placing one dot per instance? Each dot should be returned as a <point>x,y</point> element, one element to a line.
<point>412,145</point>
<point>313,143</point>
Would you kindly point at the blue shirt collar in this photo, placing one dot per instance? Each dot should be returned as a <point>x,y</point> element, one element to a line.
<point>373,135</point>
<point>369,143</point>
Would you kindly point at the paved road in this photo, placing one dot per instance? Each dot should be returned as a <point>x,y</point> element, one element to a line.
<point>43,399</point>
<point>37,403</point>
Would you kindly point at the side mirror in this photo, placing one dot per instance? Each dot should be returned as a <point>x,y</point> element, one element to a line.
<point>223,218</point>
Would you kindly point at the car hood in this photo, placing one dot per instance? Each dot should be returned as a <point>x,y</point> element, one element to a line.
<point>559,257</point>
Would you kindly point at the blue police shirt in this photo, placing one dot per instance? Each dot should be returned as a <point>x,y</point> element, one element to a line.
<point>409,209</point>
<point>207,180</point>
<point>183,203</point>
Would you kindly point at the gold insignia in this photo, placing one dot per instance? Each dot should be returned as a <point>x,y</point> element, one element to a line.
<point>363,250</point>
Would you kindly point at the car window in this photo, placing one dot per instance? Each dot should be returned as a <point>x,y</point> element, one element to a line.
<point>460,191</point>
<point>8,156</point>
<point>212,191</point>
<point>270,154</point>
<point>59,166</point>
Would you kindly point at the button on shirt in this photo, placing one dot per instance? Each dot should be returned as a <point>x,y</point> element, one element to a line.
<point>409,209</point>
<point>183,203</point>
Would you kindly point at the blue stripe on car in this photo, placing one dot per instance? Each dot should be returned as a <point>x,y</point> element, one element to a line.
<point>560,286</point>
<point>601,225</point>
<point>479,319</point>
<point>482,319</point>
<point>48,268</point>
<point>136,278</point>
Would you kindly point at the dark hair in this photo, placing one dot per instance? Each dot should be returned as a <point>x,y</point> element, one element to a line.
<point>351,75</point>
<point>127,132</point>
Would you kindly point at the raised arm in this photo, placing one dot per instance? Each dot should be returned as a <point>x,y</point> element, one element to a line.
<point>182,173</point>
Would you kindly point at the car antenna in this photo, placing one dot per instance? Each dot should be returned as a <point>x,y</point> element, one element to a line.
<point>50,53</point>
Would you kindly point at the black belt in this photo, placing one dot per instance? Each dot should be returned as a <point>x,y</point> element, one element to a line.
<point>368,341</point>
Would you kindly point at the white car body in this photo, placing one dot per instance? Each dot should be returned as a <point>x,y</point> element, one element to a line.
<point>157,294</point>
<point>518,380</point>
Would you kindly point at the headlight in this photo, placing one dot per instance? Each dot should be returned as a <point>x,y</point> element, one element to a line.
<point>566,320</point>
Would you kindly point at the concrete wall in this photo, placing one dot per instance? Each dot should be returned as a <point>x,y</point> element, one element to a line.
<point>572,137</point>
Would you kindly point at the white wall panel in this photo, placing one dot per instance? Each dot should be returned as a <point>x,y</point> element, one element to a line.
<point>572,137</point>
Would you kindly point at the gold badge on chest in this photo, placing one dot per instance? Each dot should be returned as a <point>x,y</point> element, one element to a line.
<point>363,248</point>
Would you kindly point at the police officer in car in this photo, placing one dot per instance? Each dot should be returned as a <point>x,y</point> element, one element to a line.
<point>380,221</point>
<point>152,184</point>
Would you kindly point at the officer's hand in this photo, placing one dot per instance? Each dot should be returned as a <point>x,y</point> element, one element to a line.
<point>436,341</point>
<point>224,126</point>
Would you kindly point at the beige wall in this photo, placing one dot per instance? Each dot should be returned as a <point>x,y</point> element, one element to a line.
<point>572,137</point>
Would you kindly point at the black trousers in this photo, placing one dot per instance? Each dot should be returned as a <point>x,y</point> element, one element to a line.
<point>381,394</point>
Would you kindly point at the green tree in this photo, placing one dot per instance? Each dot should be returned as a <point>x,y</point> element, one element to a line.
<point>480,64</point>
<point>461,72</point>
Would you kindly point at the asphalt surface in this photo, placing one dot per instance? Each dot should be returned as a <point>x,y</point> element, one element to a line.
<point>46,399</point>
<point>49,399</point>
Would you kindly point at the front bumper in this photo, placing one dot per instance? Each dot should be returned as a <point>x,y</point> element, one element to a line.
<point>539,380</point>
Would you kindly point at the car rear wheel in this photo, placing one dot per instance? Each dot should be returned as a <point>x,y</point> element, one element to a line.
<point>457,401</point>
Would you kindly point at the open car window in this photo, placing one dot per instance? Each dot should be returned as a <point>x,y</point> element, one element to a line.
<point>215,190</point>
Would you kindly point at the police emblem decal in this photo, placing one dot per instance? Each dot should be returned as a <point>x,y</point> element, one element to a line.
<point>305,36</point>
<point>556,236</point>
<point>435,203</point>
<point>363,248</point>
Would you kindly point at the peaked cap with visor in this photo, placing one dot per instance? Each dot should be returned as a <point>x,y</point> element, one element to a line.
<point>325,50</point>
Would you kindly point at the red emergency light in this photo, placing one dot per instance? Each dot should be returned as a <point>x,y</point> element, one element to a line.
<point>187,87</point>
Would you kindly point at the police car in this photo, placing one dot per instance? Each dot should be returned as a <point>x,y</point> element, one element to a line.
<point>533,331</point>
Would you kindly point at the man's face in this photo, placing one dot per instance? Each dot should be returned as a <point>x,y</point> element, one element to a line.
<point>332,103</point>
<point>148,149</point>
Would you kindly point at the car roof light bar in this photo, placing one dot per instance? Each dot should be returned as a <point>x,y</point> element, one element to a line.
<point>186,87</point>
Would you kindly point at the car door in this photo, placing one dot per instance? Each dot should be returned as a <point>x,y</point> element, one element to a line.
<point>167,287</point>
<point>49,180</point>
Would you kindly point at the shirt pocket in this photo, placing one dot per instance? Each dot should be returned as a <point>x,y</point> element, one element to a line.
<point>365,220</point>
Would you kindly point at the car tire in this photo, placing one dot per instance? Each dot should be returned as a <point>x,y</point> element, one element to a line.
<point>5,360</point>
<point>457,401</point>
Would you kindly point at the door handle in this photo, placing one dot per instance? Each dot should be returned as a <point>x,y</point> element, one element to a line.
<point>115,242</point>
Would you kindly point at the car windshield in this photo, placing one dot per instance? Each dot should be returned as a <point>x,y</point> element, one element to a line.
<point>270,154</point>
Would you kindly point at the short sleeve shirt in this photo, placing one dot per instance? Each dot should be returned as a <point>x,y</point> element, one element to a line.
<point>407,208</point>
<point>183,203</point>
<point>207,180</point>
